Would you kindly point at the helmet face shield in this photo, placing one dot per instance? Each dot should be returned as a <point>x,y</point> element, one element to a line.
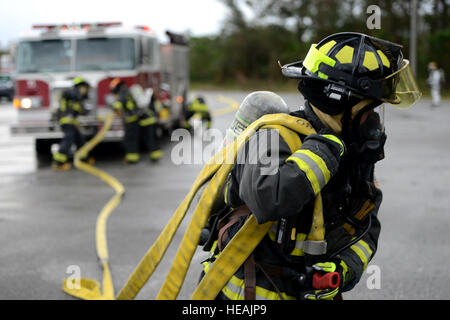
<point>400,88</point>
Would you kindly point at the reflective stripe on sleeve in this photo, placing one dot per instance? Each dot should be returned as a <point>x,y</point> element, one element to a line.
<point>335,139</point>
<point>314,167</point>
<point>147,121</point>
<point>362,249</point>
<point>117,105</point>
<point>131,119</point>
<point>77,107</point>
<point>66,120</point>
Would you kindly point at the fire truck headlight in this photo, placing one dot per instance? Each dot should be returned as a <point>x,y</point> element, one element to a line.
<point>26,103</point>
<point>16,103</point>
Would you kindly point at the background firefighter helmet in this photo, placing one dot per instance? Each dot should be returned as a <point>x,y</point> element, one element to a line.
<point>345,68</point>
<point>79,81</point>
<point>115,85</point>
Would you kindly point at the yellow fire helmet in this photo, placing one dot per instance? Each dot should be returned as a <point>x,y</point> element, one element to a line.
<point>346,67</point>
<point>78,81</point>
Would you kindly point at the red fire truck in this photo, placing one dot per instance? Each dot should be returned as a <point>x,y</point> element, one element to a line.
<point>50,56</point>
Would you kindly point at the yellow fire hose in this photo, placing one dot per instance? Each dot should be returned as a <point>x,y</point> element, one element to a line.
<point>90,289</point>
<point>215,171</point>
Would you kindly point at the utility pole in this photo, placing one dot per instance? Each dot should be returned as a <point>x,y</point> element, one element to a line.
<point>413,36</point>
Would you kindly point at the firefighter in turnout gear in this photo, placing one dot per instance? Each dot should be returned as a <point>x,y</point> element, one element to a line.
<point>345,79</point>
<point>198,106</point>
<point>139,124</point>
<point>71,105</point>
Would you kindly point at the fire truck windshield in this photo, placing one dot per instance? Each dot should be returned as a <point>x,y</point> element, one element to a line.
<point>105,54</point>
<point>44,56</point>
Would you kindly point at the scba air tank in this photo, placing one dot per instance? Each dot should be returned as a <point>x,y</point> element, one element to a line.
<point>254,106</point>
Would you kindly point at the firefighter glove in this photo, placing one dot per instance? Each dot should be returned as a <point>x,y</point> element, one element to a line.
<point>336,265</point>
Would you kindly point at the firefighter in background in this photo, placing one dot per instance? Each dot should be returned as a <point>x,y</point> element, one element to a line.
<point>198,106</point>
<point>436,81</point>
<point>71,105</point>
<point>139,125</point>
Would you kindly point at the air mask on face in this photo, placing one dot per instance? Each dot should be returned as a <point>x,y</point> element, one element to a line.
<point>368,134</point>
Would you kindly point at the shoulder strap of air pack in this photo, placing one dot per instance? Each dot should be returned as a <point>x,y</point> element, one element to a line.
<point>242,244</point>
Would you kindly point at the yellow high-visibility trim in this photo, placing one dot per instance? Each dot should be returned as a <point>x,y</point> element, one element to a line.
<point>345,55</point>
<point>131,119</point>
<point>155,155</point>
<point>77,107</point>
<point>309,173</point>
<point>384,59</point>
<point>130,104</point>
<point>63,105</point>
<point>60,157</point>
<point>366,246</point>
<point>335,139</point>
<point>297,251</point>
<point>117,105</point>
<point>370,61</point>
<point>360,254</point>
<point>148,121</point>
<point>319,161</point>
<point>327,46</point>
<point>132,157</point>
<point>65,120</point>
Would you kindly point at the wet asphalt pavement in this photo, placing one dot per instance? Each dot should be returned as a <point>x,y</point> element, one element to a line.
<point>47,218</point>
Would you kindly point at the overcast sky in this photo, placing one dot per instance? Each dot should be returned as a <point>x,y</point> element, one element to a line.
<point>201,17</point>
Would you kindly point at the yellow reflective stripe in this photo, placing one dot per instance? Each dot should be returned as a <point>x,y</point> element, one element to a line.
<point>60,157</point>
<point>66,120</point>
<point>345,272</point>
<point>363,251</point>
<point>147,122</point>
<point>130,104</point>
<point>63,104</point>
<point>235,289</point>
<point>309,173</point>
<point>297,251</point>
<point>132,156</point>
<point>366,246</point>
<point>77,107</point>
<point>314,167</point>
<point>117,105</point>
<point>155,155</point>
<point>314,58</point>
<point>131,119</point>
<point>319,161</point>
<point>335,139</point>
